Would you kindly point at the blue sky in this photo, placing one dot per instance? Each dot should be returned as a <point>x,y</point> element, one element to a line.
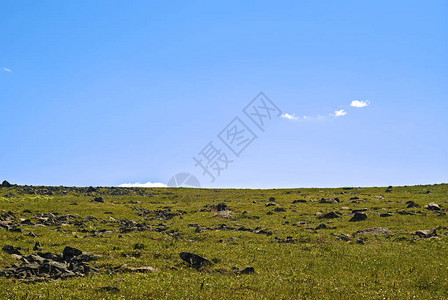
<point>113,92</point>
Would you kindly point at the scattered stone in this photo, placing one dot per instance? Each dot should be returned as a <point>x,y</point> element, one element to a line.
<point>321,226</point>
<point>426,233</point>
<point>359,216</point>
<point>412,204</point>
<point>270,204</point>
<point>359,210</point>
<point>272,199</point>
<point>432,206</point>
<point>248,271</point>
<point>12,250</point>
<point>139,247</point>
<point>330,201</point>
<point>280,209</point>
<point>220,207</point>
<point>374,231</point>
<point>6,184</point>
<point>111,289</point>
<point>299,201</point>
<point>37,246</point>
<point>91,189</point>
<point>330,215</point>
<point>288,240</point>
<point>299,224</point>
<point>194,260</point>
<point>46,266</point>
<point>343,237</point>
<point>98,200</point>
<point>225,214</point>
<point>385,215</point>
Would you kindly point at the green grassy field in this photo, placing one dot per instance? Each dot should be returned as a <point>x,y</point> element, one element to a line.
<point>292,259</point>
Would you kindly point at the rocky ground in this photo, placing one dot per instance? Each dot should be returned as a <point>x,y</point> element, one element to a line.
<point>172,243</point>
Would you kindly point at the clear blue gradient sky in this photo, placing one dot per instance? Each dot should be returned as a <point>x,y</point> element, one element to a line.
<point>110,92</point>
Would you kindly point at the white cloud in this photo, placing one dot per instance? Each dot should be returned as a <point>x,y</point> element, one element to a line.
<point>147,185</point>
<point>340,113</point>
<point>359,104</point>
<point>7,70</point>
<point>289,117</point>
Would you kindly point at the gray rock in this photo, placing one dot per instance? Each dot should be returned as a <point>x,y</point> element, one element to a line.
<point>374,231</point>
<point>432,206</point>
<point>426,233</point>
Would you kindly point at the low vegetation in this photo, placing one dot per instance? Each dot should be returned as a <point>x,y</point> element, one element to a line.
<point>93,243</point>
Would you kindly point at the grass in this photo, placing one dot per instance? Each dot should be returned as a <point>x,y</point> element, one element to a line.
<point>316,265</point>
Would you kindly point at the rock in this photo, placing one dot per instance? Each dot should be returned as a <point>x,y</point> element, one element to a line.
<point>270,204</point>
<point>321,226</point>
<point>299,201</point>
<point>111,289</point>
<point>385,215</point>
<point>12,250</point>
<point>37,246</point>
<point>91,189</point>
<point>432,206</point>
<point>412,204</point>
<point>220,207</point>
<point>359,216</point>
<point>359,210</point>
<point>343,237</point>
<point>272,199</point>
<point>98,200</point>
<point>248,271</point>
<point>374,231</point>
<point>194,260</point>
<point>46,266</point>
<point>426,233</point>
<point>280,209</point>
<point>70,252</point>
<point>330,201</point>
<point>330,215</point>
<point>288,240</point>
<point>6,184</point>
<point>144,269</point>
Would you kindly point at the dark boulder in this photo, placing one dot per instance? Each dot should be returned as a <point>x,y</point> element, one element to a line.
<point>359,216</point>
<point>12,250</point>
<point>412,204</point>
<point>6,184</point>
<point>98,200</point>
<point>330,215</point>
<point>248,271</point>
<point>194,260</point>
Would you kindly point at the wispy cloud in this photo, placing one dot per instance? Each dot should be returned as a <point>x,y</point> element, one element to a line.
<point>7,70</point>
<point>359,104</point>
<point>289,117</point>
<point>340,113</point>
<point>148,184</point>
